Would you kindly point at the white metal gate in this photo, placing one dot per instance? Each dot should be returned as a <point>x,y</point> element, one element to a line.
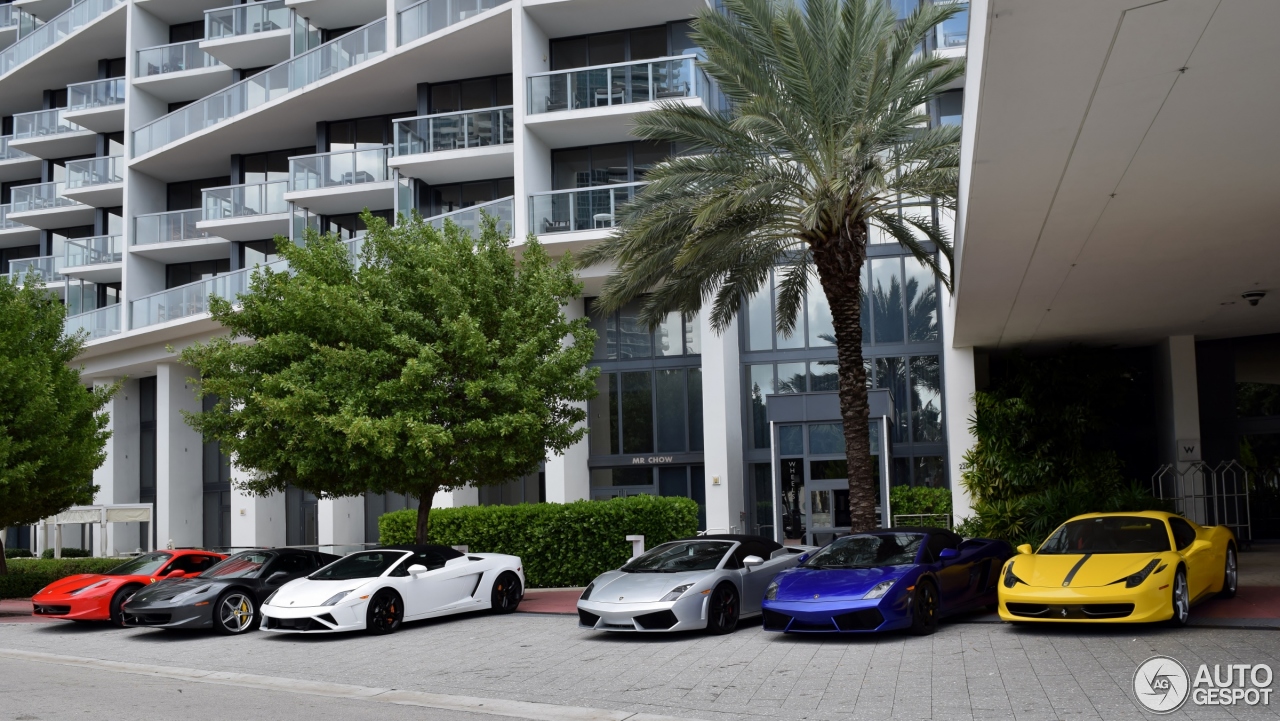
<point>1210,496</point>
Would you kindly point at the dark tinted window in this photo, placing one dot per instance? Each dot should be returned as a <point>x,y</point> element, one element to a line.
<point>680,556</point>
<point>365,564</point>
<point>1109,534</point>
<point>193,564</point>
<point>241,565</point>
<point>143,565</point>
<point>294,564</point>
<point>431,558</point>
<point>1183,533</point>
<point>935,544</point>
<point>867,550</point>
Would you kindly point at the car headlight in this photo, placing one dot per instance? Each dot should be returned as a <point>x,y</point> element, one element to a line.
<point>335,598</point>
<point>269,598</point>
<point>880,589</point>
<point>586,595</point>
<point>1011,580</point>
<point>185,595</point>
<point>1136,579</point>
<point>771,593</point>
<point>677,592</point>
<point>88,588</point>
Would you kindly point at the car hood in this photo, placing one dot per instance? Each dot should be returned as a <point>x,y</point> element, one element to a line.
<point>167,590</point>
<point>1090,570</point>
<point>303,592</point>
<point>619,587</point>
<point>73,583</point>
<point>833,584</point>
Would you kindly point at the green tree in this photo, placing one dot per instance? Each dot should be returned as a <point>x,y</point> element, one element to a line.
<point>428,363</point>
<point>825,138</point>
<point>53,433</point>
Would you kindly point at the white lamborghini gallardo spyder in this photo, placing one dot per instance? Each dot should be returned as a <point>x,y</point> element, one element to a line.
<point>379,589</point>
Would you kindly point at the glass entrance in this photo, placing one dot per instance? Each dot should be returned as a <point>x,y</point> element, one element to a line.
<point>813,488</point>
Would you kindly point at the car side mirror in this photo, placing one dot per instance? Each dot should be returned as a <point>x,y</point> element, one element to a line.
<point>417,569</point>
<point>1025,549</point>
<point>175,573</point>
<point>947,554</point>
<point>277,577</point>
<point>751,562</point>
<point>803,557</point>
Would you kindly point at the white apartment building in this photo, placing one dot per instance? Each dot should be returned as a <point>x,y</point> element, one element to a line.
<point>152,150</point>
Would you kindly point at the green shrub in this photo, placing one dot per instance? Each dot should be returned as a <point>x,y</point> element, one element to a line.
<point>18,553</point>
<point>918,500</point>
<point>559,544</point>
<point>67,553</point>
<point>28,575</point>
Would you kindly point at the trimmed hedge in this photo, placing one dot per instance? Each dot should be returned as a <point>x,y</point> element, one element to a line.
<point>28,575</point>
<point>560,544</point>
<point>68,553</point>
<point>18,553</point>
<point>917,500</point>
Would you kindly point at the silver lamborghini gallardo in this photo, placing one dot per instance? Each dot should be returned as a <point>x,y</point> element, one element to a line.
<point>706,582</point>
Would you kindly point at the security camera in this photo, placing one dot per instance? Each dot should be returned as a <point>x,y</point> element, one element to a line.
<point>1254,296</point>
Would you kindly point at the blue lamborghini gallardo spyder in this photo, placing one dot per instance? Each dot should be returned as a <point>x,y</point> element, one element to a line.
<point>895,578</point>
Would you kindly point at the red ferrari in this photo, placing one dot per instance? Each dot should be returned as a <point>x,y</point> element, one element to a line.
<point>98,597</point>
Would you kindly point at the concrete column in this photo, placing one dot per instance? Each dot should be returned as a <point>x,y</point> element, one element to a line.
<point>179,472</point>
<point>255,520</point>
<point>568,477</point>
<point>958,387</point>
<point>117,477</point>
<point>1179,401</point>
<point>468,496</point>
<point>341,522</point>
<point>722,428</point>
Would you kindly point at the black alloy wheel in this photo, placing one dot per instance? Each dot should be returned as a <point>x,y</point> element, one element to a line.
<point>722,616</point>
<point>924,609</point>
<point>1180,599</point>
<point>1230,575</point>
<point>506,593</point>
<point>116,609</point>
<point>235,613</point>
<point>385,614</point>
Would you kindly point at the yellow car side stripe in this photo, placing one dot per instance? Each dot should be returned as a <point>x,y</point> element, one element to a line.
<point>1074,569</point>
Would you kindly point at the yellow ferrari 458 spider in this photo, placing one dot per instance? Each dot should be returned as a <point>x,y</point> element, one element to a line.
<point>1119,568</point>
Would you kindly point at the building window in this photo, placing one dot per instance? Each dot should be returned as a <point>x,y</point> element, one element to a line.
<point>147,450</point>
<point>440,199</point>
<point>950,105</point>
<point>269,167</point>
<point>621,335</point>
<point>351,225</point>
<point>187,194</point>
<point>613,164</point>
<point>620,46</point>
<point>257,252</point>
<point>178,274</point>
<point>686,481</point>
<point>647,411</point>
<point>530,488</point>
<point>474,94</point>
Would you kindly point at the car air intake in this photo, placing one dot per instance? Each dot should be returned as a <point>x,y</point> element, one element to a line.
<point>42,610</point>
<point>149,619</point>
<point>587,619</point>
<point>865,620</point>
<point>774,621</point>
<point>798,625</point>
<point>1030,610</point>
<point>328,618</point>
<point>659,621</point>
<point>1107,610</point>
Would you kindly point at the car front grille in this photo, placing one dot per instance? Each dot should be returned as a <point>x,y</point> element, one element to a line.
<point>798,625</point>
<point>1107,610</point>
<point>297,624</point>
<point>148,619</point>
<point>1082,612</point>
<point>865,620</point>
<point>774,621</point>
<point>658,621</point>
<point>587,619</point>
<point>45,610</point>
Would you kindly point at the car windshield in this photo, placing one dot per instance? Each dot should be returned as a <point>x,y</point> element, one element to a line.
<point>144,565</point>
<point>868,550</point>
<point>241,565</point>
<point>680,556</point>
<point>1109,534</point>
<point>365,564</point>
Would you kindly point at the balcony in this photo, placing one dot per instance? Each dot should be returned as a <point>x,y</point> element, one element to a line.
<point>953,35</point>
<point>338,13</point>
<point>174,237</point>
<point>14,234</point>
<point>96,260</point>
<point>44,206</point>
<point>347,181</point>
<point>96,324</point>
<point>429,16</point>
<point>9,16</point>
<point>469,218</point>
<point>46,268</point>
<point>456,147</point>
<point>249,36</point>
<point>98,182</point>
<point>97,105</point>
<point>571,211</point>
<point>48,134</point>
<point>180,71</point>
<point>191,300</point>
<point>311,67</point>
<point>246,212</point>
<point>58,29</point>
<point>16,164</point>
<point>583,106</point>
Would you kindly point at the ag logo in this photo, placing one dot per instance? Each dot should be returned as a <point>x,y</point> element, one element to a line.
<point>1161,684</point>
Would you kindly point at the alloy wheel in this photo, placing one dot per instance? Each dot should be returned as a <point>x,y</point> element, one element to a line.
<point>236,613</point>
<point>1181,602</point>
<point>385,613</point>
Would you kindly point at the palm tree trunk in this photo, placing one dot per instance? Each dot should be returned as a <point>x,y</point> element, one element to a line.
<point>839,262</point>
<point>423,533</point>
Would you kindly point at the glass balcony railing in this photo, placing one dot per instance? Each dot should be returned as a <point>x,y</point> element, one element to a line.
<point>101,323</point>
<point>258,17</point>
<point>469,218</point>
<point>239,201</point>
<point>5,222</point>
<point>564,211</point>
<point>103,250</point>
<point>454,131</point>
<point>9,16</point>
<point>310,67</point>
<point>96,94</point>
<point>42,123</point>
<point>45,36</point>
<point>332,170</point>
<point>170,227</point>
<point>620,84</point>
<point>47,268</point>
<point>192,299</point>
<point>40,196</point>
<point>175,58</point>
<point>95,171</point>
<point>8,153</point>
<point>954,33</point>
<point>429,16</point>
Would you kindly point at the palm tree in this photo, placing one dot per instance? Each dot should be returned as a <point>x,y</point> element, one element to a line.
<point>825,138</point>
